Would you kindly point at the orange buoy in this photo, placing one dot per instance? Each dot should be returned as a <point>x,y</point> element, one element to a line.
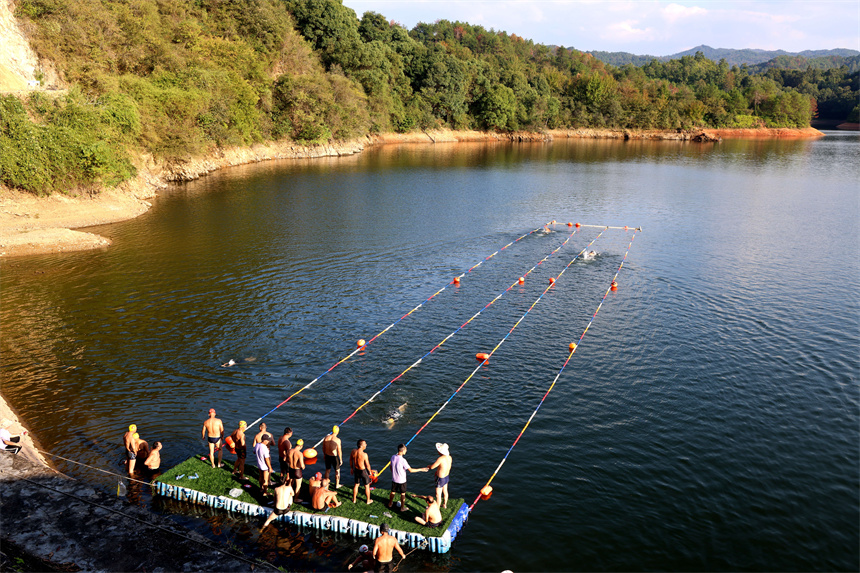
<point>230,444</point>
<point>569,224</point>
<point>625,227</point>
<point>614,285</point>
<point>360,342</point>
<point>482,356</point>
<point>551,281</point>
<point>456,280</point>
<point>522,280</point>
<point>374,476</point>
<point>578,225</point>
<point>310,455</point>
<point>572,346</point>
<point>486,492</point>
<point>553,221</point>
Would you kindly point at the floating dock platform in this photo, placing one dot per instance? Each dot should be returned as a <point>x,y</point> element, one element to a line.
<point>438,542</point>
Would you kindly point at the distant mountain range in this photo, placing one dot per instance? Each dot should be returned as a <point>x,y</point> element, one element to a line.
<point>737,57</point>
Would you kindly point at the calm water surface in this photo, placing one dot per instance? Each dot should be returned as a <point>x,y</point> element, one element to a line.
<point>708,421</point>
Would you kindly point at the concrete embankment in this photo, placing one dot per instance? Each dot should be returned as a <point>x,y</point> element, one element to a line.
<point>31,225</point>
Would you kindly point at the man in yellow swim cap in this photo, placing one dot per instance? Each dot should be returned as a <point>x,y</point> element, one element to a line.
<point>130,447</point>
<point>238,437</point>
<point>333,455</point>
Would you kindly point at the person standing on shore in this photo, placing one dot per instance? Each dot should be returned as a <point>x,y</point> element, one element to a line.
<point>399,467</point>
<point>297,464</point>
<point>333,455</point>
<point>264,463</point>
<point>238,437</point>
<point>442,465</point>
<point>359,467</point>
<point>213,430</point>
<point>284,447</point>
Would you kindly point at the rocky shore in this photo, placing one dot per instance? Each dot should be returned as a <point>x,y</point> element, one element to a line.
<point>31,225</point>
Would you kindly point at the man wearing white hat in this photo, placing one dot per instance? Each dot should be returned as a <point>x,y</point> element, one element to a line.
<point>442,465</point>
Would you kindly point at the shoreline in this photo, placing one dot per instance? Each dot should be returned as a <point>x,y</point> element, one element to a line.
<point>9,419</point>
<point>31,225</point>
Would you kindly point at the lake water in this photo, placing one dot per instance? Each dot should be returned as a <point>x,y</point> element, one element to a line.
<point>708,421</point>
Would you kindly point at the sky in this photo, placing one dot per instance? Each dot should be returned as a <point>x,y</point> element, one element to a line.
<point>653,27</point>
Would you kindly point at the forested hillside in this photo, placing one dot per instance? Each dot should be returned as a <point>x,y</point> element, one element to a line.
<point>175,78</point>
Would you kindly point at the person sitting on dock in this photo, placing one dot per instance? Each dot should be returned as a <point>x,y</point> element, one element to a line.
<point>314,483</point>
<point>383,549</point>
<point>399,467</point>
<point>130,447</point>
<point>238,437</point>
<point>213,431</point>
<point>261,450</point>
<point>323,498</point>
<point>333,455</point>
<point>359,467</point>
<point>297,464</point>
<point>284,447</point>
<point>432,516</point>
<point>442,465</point>
<point>283,500</point>
<point>153,460</point>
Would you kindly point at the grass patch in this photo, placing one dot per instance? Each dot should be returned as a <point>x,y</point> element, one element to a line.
<point>219,481</point>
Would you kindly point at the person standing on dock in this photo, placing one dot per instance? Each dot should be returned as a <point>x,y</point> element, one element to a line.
<point>399,467</point>
<point>213,431</point>
<point>297,464</point>
<point>238,437</point>
<point>259,437</point>
<point>284,447</point>
<point>359,466</point>
<point>264,463</point>
<point>383,549</point>
<point>130,447</point>
<point>333,455</point>
<point>442,465</point>
<point>283,500</point>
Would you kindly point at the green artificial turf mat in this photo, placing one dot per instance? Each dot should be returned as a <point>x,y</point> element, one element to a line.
<point>219,481</point>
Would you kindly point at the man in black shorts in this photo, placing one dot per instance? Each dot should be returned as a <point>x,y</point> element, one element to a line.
<point>333,455</point>
<point>283,500</point>
<point>399,467</point>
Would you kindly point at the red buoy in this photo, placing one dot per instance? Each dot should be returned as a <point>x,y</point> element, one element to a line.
<point>614,285</point>
<point>578,225</point>
<point>570,224</point>
<point>522,280</point>
<point>482,356</point>
<point>456,280</point>
<point>551,280</point>
<point>625,227</point>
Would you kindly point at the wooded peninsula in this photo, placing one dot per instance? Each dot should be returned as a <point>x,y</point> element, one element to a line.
<point>174,79</point>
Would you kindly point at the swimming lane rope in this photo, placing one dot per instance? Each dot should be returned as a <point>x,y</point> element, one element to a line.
<point>387,328</point>
<point>444,340</point>
<point>557,376</point>
<point>502,341</point>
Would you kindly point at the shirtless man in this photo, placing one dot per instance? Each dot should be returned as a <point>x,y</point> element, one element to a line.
<point>283,500</point>
<point>259,437</point>
<point>432,516</point>
<point>143,450</point>
<point>333,455</point>
<point>153,460</point>
<point>383,549</point>
<point>359,467</point>
<point>238,437</point>
<point>314,483</point>
<point>297,464</point>
<point>130,447</point>
<point>284,447</point>
<point>213,430</point>
<point>323,498</point>
<point>442,465</point>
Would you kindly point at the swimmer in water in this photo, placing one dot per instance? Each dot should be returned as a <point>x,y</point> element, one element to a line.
<point>394,415</point>
<point>588,255</point>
